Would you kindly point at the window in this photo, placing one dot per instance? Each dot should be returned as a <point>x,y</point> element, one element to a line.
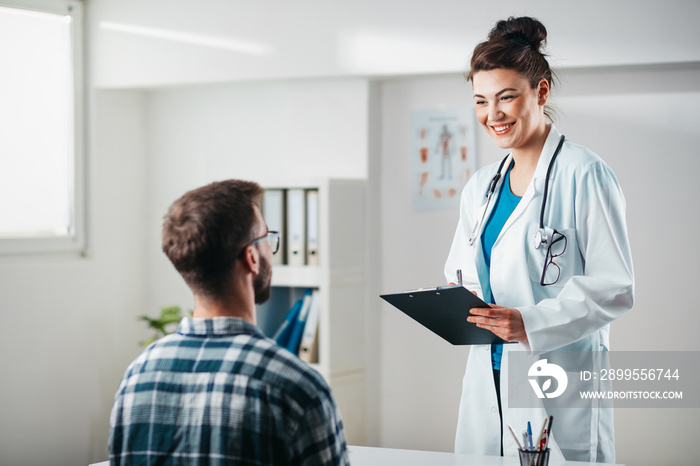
<point>41,127</point>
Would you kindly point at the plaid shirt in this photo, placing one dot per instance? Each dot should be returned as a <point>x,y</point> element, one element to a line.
<point>218,392</point>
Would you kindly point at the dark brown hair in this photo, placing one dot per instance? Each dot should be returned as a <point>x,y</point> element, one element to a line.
<point>206,229</point>
<point>514,44</point>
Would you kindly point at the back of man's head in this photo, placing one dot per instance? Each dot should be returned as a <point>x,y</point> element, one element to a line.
<point>205,230</point>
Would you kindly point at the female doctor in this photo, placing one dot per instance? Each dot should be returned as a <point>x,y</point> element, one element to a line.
<point>542,236</point>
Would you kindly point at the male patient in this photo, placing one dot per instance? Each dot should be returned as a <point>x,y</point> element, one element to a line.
<point>218,392</point>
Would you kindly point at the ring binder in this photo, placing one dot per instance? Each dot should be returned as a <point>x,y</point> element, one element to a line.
<point>296,227</point>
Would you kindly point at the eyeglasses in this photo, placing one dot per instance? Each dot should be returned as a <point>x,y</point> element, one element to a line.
<point>557,247</point>
<point>272,237</point>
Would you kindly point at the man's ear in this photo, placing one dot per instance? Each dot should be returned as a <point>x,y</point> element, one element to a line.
<point>252,259</point>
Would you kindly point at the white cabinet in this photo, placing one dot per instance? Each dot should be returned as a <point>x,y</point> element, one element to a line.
<point>341,281</point>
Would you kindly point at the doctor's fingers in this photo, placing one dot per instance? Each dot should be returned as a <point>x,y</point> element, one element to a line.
<point>484,311</point>
<point>493,312</point>
<point>507,333</point>
<point>504,329</point>
<point>505,322</point>
<point>482,315</point>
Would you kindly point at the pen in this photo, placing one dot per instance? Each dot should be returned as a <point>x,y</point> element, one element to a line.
<point>459,277</point>
<point>543,440</point>
<point>529,437</point>
<point>515,437</point>
<point>549,431</point>
<point>540,439</point>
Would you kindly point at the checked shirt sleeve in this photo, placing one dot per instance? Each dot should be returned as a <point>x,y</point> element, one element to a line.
<point>321,439</point>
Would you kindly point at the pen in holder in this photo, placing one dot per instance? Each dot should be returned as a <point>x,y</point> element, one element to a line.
<point>534,457</point>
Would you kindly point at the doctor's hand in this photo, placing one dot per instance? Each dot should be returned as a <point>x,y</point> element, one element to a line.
<point>505,322</point>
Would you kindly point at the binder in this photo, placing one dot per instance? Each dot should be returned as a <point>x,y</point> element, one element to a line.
<point>299,324</point>
<point>284,332</point>
<point>308,350</point>
<point>312,227</point>
<point>273,212</point>
<point>296,227</point>
<point>444,311</point>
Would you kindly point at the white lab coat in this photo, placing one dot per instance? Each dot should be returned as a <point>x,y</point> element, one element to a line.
<point>596,287</point>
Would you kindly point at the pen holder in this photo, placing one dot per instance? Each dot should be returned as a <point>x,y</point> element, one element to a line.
<point>534,457</point>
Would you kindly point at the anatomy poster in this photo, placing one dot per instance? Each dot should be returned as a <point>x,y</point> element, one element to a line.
<point>443,156</point>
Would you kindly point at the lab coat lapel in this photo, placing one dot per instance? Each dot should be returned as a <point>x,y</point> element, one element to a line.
<point>487,207</point>
<point>482,270</point>
<point>484,214</point>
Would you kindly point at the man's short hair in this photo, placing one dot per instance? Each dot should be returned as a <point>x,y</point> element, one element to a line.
<point>205,230</point>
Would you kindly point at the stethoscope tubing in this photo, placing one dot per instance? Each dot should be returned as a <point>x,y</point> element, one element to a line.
<point>546,181</point>
<point>492,189</point>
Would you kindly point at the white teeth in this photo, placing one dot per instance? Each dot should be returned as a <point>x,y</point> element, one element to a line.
<point>502,128</point>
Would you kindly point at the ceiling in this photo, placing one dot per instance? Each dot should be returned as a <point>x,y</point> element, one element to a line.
<point>144,43</point>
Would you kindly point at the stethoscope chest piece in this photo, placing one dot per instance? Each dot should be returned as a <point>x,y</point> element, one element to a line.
<point>540,238</point>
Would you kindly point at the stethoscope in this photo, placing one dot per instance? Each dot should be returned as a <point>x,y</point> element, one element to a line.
<point>542,235</point>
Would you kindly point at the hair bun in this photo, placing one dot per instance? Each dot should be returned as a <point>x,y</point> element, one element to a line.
<point>514,44</point>
<point>523,30</point>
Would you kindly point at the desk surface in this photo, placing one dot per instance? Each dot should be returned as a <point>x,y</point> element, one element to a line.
<point>371,456</point>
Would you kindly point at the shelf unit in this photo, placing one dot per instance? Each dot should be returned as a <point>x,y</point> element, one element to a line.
<point>341,280</point>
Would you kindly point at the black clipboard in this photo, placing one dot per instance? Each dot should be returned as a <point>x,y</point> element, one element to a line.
<point>444,311</point>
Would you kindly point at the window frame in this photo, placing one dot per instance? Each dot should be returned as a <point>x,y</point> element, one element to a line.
<point>75,242</point>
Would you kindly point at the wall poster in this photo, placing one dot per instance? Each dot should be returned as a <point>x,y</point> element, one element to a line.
<point>443,156</point>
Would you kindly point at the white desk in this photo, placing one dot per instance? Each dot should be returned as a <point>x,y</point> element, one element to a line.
<point>370,456</point>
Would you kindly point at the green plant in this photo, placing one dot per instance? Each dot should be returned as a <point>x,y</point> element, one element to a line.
<point>170,316</point>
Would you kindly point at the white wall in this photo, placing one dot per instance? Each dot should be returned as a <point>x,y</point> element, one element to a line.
<point>641,121</point>
<point>69,325</point>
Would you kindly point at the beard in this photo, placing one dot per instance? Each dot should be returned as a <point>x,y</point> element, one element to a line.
<point>261,283</point>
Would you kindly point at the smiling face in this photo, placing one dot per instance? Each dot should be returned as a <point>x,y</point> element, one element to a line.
<point>510,110</point>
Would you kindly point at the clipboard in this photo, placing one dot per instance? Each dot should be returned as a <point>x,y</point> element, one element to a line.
<point>444,311</point>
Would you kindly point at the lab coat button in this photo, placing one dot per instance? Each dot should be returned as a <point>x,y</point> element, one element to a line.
<point>494,411</point>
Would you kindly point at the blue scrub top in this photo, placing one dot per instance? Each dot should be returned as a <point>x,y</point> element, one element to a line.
<point>506,202</point>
